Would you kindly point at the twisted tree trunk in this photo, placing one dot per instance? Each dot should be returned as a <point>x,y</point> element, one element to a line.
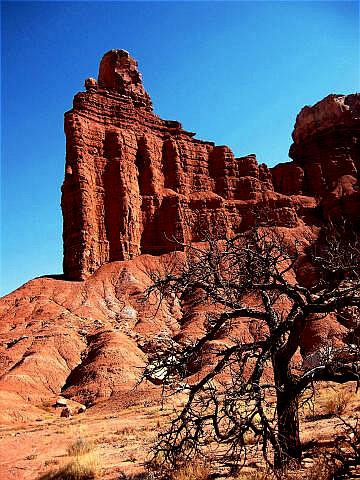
<point>289,446</point>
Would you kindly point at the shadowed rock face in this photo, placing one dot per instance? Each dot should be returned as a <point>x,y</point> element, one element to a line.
<point>134,183</point>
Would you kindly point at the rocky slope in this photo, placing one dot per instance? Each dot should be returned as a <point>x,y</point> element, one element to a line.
<point>133,184</point>
<point>84,340</point>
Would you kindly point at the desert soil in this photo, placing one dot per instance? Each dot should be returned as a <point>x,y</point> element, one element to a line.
<point>122,437</point>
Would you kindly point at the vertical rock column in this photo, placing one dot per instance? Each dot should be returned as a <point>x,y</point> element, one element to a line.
<point>81,200</point>
<point>122,201</point>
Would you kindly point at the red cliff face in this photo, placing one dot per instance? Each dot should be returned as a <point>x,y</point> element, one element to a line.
<point>326,156</point>
<point>135,183</point>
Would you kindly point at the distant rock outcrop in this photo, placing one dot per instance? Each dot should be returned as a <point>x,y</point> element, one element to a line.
<point>326,156</point>
<point>135,183</point>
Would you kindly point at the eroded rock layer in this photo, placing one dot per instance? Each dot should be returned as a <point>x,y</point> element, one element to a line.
<point>135,183</point>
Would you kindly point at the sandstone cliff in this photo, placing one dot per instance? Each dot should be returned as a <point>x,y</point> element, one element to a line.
<point>135,183</point>
<point>326,156</point>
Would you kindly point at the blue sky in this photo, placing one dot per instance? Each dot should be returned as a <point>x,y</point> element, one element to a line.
<point>237,73</point>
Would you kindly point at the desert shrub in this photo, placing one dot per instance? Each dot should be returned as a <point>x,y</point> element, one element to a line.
<point>83,463</point>
<point>78,469</point>
<point>336,402</point>
<point>80,447</point>
<point>256,475</point>
<point>125,431</point>
<point>195,470</point>
<point>321,469</point>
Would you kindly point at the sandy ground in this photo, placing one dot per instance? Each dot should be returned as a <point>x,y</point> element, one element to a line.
<point>122,438</point>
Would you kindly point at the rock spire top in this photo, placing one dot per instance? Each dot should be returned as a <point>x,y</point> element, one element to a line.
<point>119,72</point>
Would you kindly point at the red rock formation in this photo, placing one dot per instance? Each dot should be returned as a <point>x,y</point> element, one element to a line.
<point>135,183</point>
<point>326,148</point>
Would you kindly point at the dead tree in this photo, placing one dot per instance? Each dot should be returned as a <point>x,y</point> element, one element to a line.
<point>252,386</point>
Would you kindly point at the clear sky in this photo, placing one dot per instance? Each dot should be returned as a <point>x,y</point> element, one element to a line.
<point>237,73</point>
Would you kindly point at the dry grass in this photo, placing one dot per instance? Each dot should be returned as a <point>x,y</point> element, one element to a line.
<point>320,470</point>
<point>195,470</point>
<point>326,403</point>
<point>125,431</point>
<point>80,447</point>
<point>83,463</point>
<point>335,402</point>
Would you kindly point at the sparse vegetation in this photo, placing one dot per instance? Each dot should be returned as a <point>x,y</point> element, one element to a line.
<point>124,431</point>
<point>80,447</point>
<point>321,469</point>
<point>336,402</point>
<point>82,463</point>
<point>195,470</point>
<point>328,402</point>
